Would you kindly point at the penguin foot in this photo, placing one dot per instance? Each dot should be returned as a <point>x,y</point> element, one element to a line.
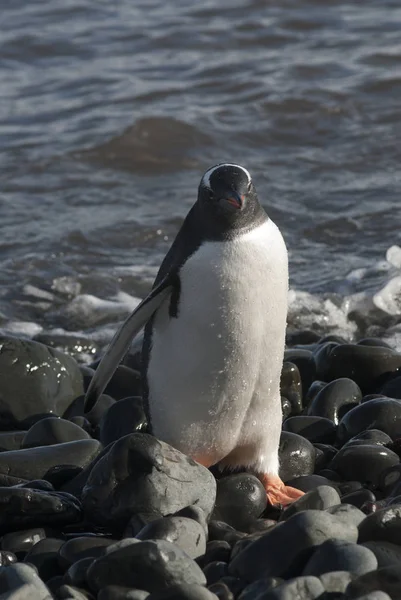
<point>277,492</point>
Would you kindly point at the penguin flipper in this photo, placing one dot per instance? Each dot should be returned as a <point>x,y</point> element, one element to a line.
<point>121,341</point>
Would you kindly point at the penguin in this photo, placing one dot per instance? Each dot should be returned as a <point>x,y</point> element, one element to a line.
<point>214,338</point>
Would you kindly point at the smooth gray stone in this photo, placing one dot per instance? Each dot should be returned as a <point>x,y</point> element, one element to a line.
<point>299,588</point>
<point>53,430</point>
<point>337,555</point>
<point>376,595</point>
<point>387,579</point>
<point>257,588</point>
<point>11,440</point>
<point>81,547</point>
<point>383,525</point>
<point>320,498</point>
<point>278,551</point>
<point>68,592</point>
<point>117,592</point>
<point>21,582</point>
<point>184,591</point>
<point>151,565</point>
<point>336,581</point>
<point>187,534</point>
<point>387,554</point>
<point>33,463</point>
<point>347,514</point>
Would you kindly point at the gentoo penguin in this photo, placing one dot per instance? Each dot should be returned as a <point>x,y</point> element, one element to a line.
<point>215,332</point>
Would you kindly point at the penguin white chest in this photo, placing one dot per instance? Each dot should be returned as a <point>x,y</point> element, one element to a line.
<point>214,370</point>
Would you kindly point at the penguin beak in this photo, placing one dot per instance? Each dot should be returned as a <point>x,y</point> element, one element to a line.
<point>234,199</point>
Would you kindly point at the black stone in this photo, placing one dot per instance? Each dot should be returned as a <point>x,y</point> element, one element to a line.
<point>324,455</point>
<point>76,573</point>
<point>22,541</point>
<point>140,473</point>
<point>373,342</point>
<point>305,362</point>
<point>11,440</point>
<point>382,525</point>
<point>337,555</point>
<point>301,336</point>
<point>215,571</point>
<point>68,592</point>
<point>119,592</point>
<point>299,588</point>
<point>34,380</point>
<point>78,346</point>
<point>7,558</point>
<point>386,579</point>
<point>363,463</point>
<point>82,547</point>
<point>335,399</point>
<point>33,463</point>
<point>392,388</point>
<point>296,455</point>
<point>217,550</point>
<point>103,404</point>
<point>347,514</point>
<point>44,557</point>
<point>221,590</point>
<point>390,479</point>
<point>258,588</point>
<point>370,436</point>
<point>291,386</point>
<point>387,554</point>
<point>379,413</point>
<point>23,508</point>
<point>184,591</point>
<point>359,498</point>
<point>315,429</point>
<point>307,483</point>
<point>221,531</point>
<point>240,499</point>
<point>286,407</point>
<point>185,533</point>
<point>312,392</point>
<point>124,383</point>
<point>285,548</point>
<point>319,499</point>
<point>52,430</point>
<point>366,365</point>
<point>152,565</point>
<point>122,418</point>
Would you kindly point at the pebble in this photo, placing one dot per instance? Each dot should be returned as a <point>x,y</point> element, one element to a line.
<point>44,557</point>
<point>378,413</point>
<point>318,499</point>
<point>124,383</point>
<point>296,456</point>
<point>122,418</point>
<point>392,388</point>
<point>18,579</point>
<point>240,499</point>
<point>387,554</point>
<point>335,399</point>
<point>347,513</point>
<point>82,547</point>
<point>53,430</point>
<point>386,579</point>
<point>364,462</point>
<point>304,361</point>
<point>184,591</point>
<point>382,525</point>
<point>338,555</point>
<point>11,440</point>
<point>299,588</point>
<point>313,428</point>
<point>335,582</point>
<point>291,386</point>
<point>187,534</point>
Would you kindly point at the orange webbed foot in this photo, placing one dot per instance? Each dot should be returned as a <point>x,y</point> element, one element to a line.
<point>277,492</point>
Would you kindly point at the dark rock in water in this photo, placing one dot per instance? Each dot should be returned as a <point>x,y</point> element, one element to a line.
<point>379,413</point>
<point>319,499</point>
<point>291,386</point>
<point>7,558</point>
<point>366,365</point>
<point>387,554</point>
<point>335,399</point>
<point>382,525</point>
<point>386,579</point>
<point>124,383</point>
<point>118,592</point>
<point>364,463</point>
<point>299,588</point>
<point>185,533</point>
<point>122,418</point>
<point>335,582</point>
<point>296,455</point>
<point>347,514</point>
<point>307,483</point>
<point>18,579</point>
<point>332,337</point>
<point>312,392</point>
<point>103,404</point>
<point>392,388</point>
<point>22,541</point>
<point>11,440</point>
<point>284,548</point>
<point>315,429</point>
<point>44,556</point>
<point>359,498</point>
<point>152,565</point>
<point>142,474</point>
<point>34,463</point>
<point>215,550</point>
<point>52,430</point>
<point>305,362</point>
<point>82,547</point>
<point>34,379</point>
<point>184,591</point>
<point>23,507</point>
<point>337,555</point>
<point>76,573</point>
<point>240,499</point>
<point>370,436</point>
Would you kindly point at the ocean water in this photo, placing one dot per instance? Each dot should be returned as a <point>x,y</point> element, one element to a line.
<point>110,113</point>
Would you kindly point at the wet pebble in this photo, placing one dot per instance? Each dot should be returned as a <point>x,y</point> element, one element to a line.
<point>318,499</point>
<point>44,557</point>
<point>335,399</point>
<point>240,499</point>
<point>185,533</point>
<point>304,361</point>
<point>386,579</point>
<point>22,541</point>
<point>51,431</point>
<point>82,547</point>
<point>338,555</point>
<point>291,386</point>
<point>378,413</point>
<point>122,418</point>
<point>382,525</point>
<point>296,455</point>
<point>313,428</point>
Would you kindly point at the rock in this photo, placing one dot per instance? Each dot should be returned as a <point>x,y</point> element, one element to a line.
<point>299,588</point>
<point>44,557</point>
<point>221,590</point>
<point>217,550</point>
<point>286,407</point>
<point>141,473</point>
<point>22,541</point>
<point>7,558</point>
<point>291,386</point>
<point>82,547</point>
<point>34,380</point>
<point>303,359</point>
<point>68,592</point>
<point>387,554</point>
<point>382,525</point>
<point>23,507</point>
<point>185,533</point>
<point>283,549</point>
<point>11,440</point>
<point>387,579</point>
<point>370,437</point>
<point>359,498</point>
<point>308,483</point>
<point>122,418</point>
<point>335,582</point>
<point>390,479</point>
<point>371,341</point>
<point>337,555</point>
<point>335,399</point>
<point>319,499</point>
<point>184,591</point>
<point>240,499</point>
<point>366,365</point>
<point>379,413</point>
<point>96,414</point>
<point>363,463</point>
<point>152,565</point>
<point>52,430</point>
<point>124,383</point>
<point>34,463</point>
<point>324,455</point>
<point>296,455</point>
<point>258,588</point>
<point>21,581</point>
<point>76,573</point>
<point>315,429</point>
<point>347,514</point>
<point>118,592</point>
<point>78,346</point>
<point>312,392</point>
<point>215,571</point>
<point>392,388</point>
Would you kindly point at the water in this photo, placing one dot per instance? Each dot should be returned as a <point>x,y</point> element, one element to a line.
<point>110,112</point>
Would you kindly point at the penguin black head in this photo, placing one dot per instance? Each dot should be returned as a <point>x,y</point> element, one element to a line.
<point>228,200</point>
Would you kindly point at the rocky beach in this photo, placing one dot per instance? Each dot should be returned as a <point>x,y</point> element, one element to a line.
<point>93,506</point>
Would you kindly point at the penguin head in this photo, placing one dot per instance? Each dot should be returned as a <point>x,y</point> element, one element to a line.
<point>228,197</point>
